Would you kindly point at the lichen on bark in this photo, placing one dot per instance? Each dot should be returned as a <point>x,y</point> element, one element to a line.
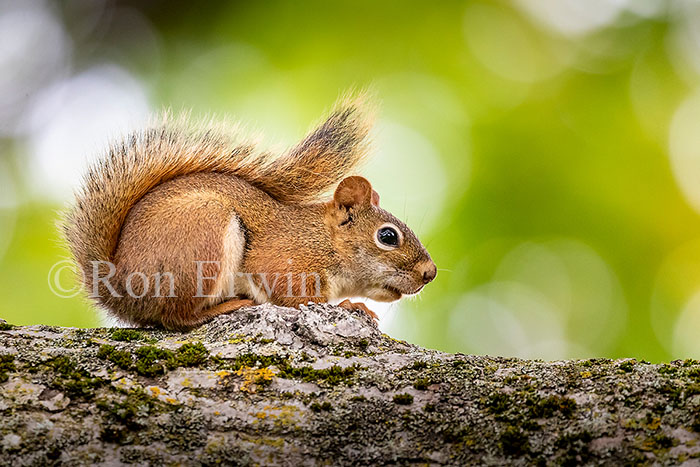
<point>322,385</point>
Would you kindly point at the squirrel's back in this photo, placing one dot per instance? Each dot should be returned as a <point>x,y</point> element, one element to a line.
<point>171,148</point>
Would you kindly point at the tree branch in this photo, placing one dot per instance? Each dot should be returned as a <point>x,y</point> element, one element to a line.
<point>274,385</point>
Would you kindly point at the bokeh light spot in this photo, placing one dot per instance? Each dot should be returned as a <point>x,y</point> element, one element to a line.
<point>506,45</point>
<point>684,147</point>
<point>552,299</point>
<point>574,17</point>
<point>408,174</point>
<point>74,120</point>
<point>686,341</point>
<point>34,51</point>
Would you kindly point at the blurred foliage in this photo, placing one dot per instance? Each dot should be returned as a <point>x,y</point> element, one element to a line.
<point>532,160</point>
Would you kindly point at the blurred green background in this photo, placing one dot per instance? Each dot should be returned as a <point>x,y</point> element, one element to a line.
<point>547,152</point>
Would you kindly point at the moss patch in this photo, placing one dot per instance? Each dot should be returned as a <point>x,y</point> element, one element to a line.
<point>149,360</point>
<point>153,361</point>
<point>575,448</point>
<point>626,366</point>
<point>674,393</point>
<point>7,363</point>
<point>547,407</point>
<point>128,416</point>
<point>498,403</point>
<point>695,426</point>
<point>127,335</point>
<point>6,326</point>
<point>74,381</point>
<point>325,407</point>
<point>121,358</point>
<point>333,375</point>
<point>422,383</point>
<point>658,443</point>
<point>514,442</point>
<point>403,399</point>
<point>252,360</point>
<point>667,369</point>
<point>190,355</point>
<point>418,365</point>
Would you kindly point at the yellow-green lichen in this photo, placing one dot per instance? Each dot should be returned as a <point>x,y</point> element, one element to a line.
<point>254,378</point>
<point>261,340</point>
<point>332,375</point>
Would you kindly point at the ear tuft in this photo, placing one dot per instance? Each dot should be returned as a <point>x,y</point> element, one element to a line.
<point>353,192</point>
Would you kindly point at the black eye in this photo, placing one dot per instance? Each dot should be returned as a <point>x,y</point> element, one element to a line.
<point>388,236</point>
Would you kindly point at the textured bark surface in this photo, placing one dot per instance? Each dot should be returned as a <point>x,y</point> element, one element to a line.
<point>323,385</point>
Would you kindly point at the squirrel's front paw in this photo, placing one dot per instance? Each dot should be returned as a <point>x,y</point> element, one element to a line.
<point>348,305</point>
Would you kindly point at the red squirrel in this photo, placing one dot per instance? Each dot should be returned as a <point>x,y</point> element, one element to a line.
<point>177,224</point>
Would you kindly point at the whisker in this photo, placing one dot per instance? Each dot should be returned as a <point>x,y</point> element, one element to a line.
<point>420,224</point>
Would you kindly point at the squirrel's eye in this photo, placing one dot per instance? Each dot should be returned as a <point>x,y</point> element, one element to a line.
<point>388,236</point>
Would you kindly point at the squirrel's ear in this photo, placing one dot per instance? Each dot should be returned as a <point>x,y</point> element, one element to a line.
<point>354,191</point>
<point>375,198</point>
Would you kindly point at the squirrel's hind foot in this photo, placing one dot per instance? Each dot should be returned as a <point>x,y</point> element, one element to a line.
<point>198,319</point>
<point>228,306</point>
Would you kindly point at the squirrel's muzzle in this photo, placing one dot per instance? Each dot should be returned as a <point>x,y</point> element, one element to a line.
<point>427,270</point>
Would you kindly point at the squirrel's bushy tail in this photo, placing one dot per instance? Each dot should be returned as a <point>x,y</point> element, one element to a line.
<point>327,155</point>
<point>170,149</point>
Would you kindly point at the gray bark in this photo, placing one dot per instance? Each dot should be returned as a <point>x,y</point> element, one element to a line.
<point>323,385</point>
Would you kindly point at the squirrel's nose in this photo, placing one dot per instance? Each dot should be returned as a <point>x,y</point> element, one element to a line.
<point>429,271</point>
